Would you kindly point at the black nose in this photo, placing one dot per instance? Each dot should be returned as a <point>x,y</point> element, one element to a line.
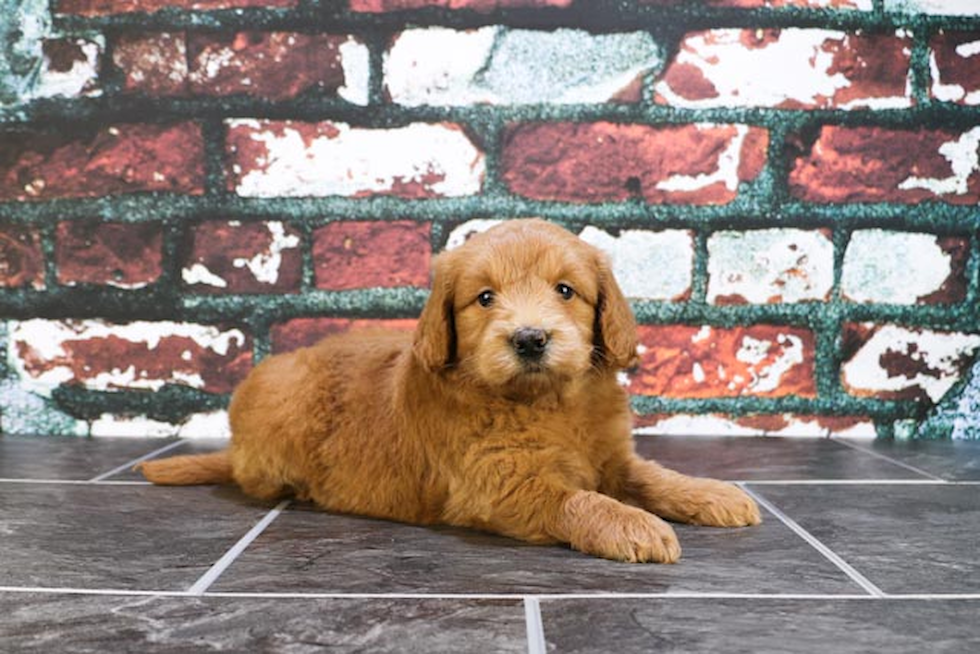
<point>529,343</point>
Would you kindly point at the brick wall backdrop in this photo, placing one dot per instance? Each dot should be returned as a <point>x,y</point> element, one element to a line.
<point>789,189</point>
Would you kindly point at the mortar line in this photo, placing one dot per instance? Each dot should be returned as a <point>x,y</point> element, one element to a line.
<point>972,271</point>
<point>535,629</point>
<point>208,578</point>
<point>814,542</point>
<point>920,74</point>
<point>129,464</point>
<point>889,459</point>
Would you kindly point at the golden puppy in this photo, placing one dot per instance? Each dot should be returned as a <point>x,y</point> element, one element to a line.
<point>502,412</point>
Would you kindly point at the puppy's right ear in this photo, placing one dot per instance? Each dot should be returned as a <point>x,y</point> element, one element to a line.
<point>435,334</point>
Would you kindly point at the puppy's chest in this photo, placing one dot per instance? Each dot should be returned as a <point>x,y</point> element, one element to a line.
<point>499,418</point>
<point>535,428</point>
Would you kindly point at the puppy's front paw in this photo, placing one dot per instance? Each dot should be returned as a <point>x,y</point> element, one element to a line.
<point>612,530</point>
<point>719,504</point>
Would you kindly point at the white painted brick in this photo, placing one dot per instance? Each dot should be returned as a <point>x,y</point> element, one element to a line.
<point>199,425</point>
<point>354,58</point>
<point>940,7</point>
<point>635,255</point>
<point>462,233</point>
<point>80,80</point>
<point>799,68</point>
<point>497,65</point>
<point>783,425</point>
<point>895,267</point>
<point>324,159</point>
<point>648,265</point>
<point>896,361</point>
<point>769,265</point>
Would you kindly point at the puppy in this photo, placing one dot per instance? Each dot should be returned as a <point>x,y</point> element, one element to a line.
<point>501,412</point>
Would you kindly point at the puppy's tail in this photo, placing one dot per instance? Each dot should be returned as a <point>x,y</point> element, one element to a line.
<point>189,470</point>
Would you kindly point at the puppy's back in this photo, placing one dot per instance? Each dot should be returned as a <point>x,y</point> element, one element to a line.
<point>320,422</point>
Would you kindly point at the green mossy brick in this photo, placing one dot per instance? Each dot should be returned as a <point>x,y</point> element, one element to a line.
<point>958,414</point>
<point>24,26</point>
<point>27,413</point>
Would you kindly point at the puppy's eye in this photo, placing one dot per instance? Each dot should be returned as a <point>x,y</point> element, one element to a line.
<point>485,298</point>
<point>565,291</point>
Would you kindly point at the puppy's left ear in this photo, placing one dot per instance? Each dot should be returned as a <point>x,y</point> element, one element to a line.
<point>615,326</point>
<point>435,334</point>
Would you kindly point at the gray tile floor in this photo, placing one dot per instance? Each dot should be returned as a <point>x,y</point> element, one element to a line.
<point>865,547</point>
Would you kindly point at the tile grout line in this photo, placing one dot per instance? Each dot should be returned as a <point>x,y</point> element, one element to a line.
<point>885,457</point>
<point>854,482</point>
<point>828,553</point>
<point>500,596</point>
<point>129,464</point>
<point>535,630</point>
<point>216,570</point>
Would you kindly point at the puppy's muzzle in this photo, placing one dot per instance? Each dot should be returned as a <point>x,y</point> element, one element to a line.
<point>529,343</point>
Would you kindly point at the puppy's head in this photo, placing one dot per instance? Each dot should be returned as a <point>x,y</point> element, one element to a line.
<point>524,306</point>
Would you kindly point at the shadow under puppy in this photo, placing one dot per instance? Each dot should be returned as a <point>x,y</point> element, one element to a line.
<point>501,412</point>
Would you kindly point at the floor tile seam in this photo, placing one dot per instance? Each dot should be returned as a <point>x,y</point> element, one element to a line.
<point>855,482</point>
<point>816,544</point>
<point>221,565</point>
<point>534,628</point>
<point>129,464</point>
<point>885,457</point>
<point>515,597</point>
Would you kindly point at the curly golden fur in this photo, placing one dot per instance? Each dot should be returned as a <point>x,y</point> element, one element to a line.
<point>501,412</point>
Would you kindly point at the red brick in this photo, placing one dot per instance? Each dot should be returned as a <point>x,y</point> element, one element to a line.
<point>141,355</point>
<point>114,160</point>
<point>377,6</point>
<point>234,257</point>
<point>21,259</point>
<point>872,164</point>
<point>104,7</point>
<point>303,332</point>
<point>155,64</point>
<point>954,287</point>
<point>114,254</point>
<point>955,58</point>
<point>597,162</point>
<point>683,361</point>
<point>365,254</point>
<point>271,65</point>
